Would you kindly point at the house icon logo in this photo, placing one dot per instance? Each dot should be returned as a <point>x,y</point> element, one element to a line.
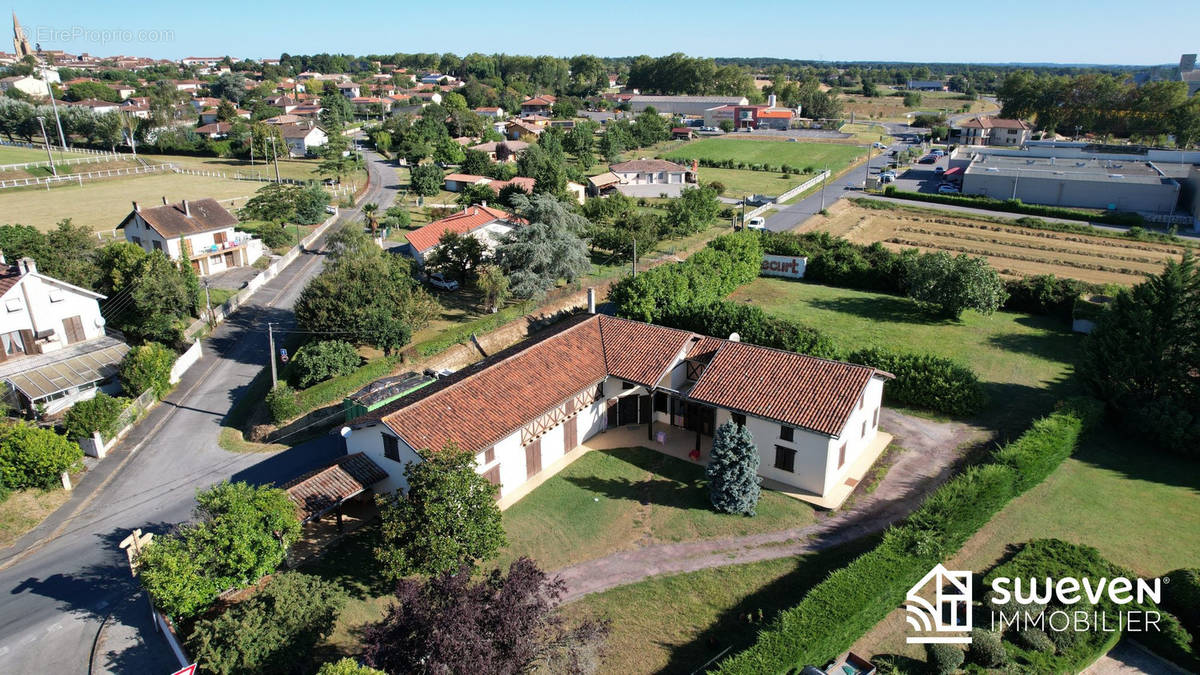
<point>948,618</point>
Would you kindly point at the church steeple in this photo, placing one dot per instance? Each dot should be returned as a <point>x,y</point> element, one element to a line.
<point>20,42</point>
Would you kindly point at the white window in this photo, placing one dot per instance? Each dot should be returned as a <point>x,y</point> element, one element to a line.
<point>13,304</point>
<point>56,295</point>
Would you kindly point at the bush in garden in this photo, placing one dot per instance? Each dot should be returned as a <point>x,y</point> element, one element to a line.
<point>274,235</point>
<point>1181,597</point>
<point>147,367</point>
<point>281,401</point>
<point>347,666</point>
<point>733,482</point>
<point>318,361</point>
<point>1034,639</point>
<point>925,381</point>
<point>986,649</point>
<point>99,413</point>
<point>32,457</point>
<point>943,659</point>
<point>271,630</point>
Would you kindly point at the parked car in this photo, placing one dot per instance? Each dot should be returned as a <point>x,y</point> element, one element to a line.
<point>938,153</point>
<point>947,190</point>
<point>879,146</point>
<point>438,281</point>
<point>927,159</point>
<point>887,176</point>
<point>939,171</point>
<point>756,223</point>
<point>331,209</point>
<point>892,153</point>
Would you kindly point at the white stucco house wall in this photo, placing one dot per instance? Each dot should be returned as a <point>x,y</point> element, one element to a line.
<point>649,172</point>
<point>303,140</point>
<point>199,231</point>
<point>523,409</point>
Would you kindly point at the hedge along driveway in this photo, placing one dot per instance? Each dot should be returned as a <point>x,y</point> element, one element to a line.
<point>853,599</point>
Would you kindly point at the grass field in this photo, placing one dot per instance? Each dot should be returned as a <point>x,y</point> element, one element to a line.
<point>774,152</point>
<point>15,155</point>
<point>296,169</point>
<point>1013,250</point>
<point>892,109</point>
<point>1138,506</point>
<point>1024,361</point>
<point>740,183</point>
<point>674,624</point>
<point>612,500</point>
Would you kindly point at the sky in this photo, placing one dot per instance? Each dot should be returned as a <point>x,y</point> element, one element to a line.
<point>1029,31</point>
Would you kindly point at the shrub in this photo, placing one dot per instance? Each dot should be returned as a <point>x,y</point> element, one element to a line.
<point>31,457</point>
<point>347,666</point>
<point>147,367</point>
<point>100,413</point>
<point>270,631</point>
<point>274,235</point>
<point>925,381</point>
<point>281,401</point>
<point>1034,639</point>
<point>733,482</point>
<point>753,324</point>
<point>323,360</point>
<point>943,659</point>
<point>1044,294</point>
<point>986,649</point>
<point>1182,597</point>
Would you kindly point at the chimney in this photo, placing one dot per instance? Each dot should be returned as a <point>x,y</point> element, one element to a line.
<point>27,265</point>
<point>771,101</point>
<point>484,205</point>
<point>187,210</point>
<point>591,300</point>
<point>165,202</point>
<point>136,208</point>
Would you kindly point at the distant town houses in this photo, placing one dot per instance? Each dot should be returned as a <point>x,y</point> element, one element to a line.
<point>200,232</point>
<point>502,151</point>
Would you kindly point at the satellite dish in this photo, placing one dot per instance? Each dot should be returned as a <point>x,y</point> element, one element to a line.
<point>100,322</point>
<point>345,432</point>
<point>734,337</point>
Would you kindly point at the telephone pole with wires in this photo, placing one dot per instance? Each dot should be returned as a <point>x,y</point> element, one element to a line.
<point>271,352</point>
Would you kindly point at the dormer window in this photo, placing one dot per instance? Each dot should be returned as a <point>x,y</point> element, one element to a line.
<point>13,304</point>
<point>56,295</point>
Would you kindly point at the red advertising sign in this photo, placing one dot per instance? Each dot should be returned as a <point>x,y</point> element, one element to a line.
<point>190,670</point>
<point>789,266</point>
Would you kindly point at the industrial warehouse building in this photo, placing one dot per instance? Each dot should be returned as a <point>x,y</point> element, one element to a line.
<point>1083,182</point>
<point>524,410</point>
<point>683,105</point>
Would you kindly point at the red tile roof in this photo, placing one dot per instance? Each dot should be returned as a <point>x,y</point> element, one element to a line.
<point>640,352</point>
<point>319,491</point>
<point>489,400</point>
<point>473,218</point>
<point>982,122</point>
<point>539,101</point>
<point>9,276</point>
<point>484,403</point>
<point>803,391</point>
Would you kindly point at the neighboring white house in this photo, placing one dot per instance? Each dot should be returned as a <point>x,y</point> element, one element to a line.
<point>524,408</point>
<point>480,221</point>
<point>199,231</point>
<point>303,140</point>
<point>53,348</point>
<point>26,84</point>
<point>649,172</point>
<point>984,130</point>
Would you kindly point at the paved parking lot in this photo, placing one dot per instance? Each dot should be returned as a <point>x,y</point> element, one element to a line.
<point>924,177</point>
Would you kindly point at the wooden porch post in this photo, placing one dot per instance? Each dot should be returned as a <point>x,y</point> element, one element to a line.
<point>339,518</point>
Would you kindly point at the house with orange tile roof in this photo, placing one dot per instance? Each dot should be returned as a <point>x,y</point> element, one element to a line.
<point>485,223</point>
<point>524,410</point>
<point>537,105</point>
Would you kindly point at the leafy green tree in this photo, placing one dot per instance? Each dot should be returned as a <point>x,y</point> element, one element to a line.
<point>281,402</point>
<point>949,285</point>
<point>310,205</point>
<point>226,111</point>
<point>396,216</point>
<point>650,127</point>
<point>550,248</point>
<point>382,141</point>
<point>147,367</point>
<point>475,163</point>
<point>99,413</point>
<point>275,202</point>
<point>164,295</point>
<point>725,125</point>
<point>97,90</point>
<point>733,482</point>
<point>448,151</point>
<point>426,179</point>
<point>545,164</point>
<point>912,99</point>
<point>174,571</point>
<point>367,292</point>
<point>32,457</point>
<point>1142,357</point>
<point>447,519</point>
<point>336,111</point>
<point>695,209</point>
<point>322,360</point>
<point>369,210</point>
<point>494,285</point>
<point>457,256</point>
<point>248,529</point>
<point>272,630</point>
<point>476,193</point>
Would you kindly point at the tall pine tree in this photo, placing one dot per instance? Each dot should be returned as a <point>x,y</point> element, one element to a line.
<point>733,482</point>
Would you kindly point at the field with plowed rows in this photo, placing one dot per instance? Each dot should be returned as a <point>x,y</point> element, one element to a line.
<point>1012,249</point>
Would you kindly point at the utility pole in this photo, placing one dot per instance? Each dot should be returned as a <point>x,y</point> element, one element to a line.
<point>275,154</point>
<point>823,180</point>
<point>42,123</point>
<point>635,257</point>
<point>271,343</point>
<point>208,302</point>
<point>53,105</point>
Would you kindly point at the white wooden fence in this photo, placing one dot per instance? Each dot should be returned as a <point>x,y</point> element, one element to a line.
<point>94,157</point>
<point>79,178</point>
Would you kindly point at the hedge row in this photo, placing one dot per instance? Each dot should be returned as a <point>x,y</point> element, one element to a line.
<point>851,600</point>
<point>750,166</point>
<point>1017,206</point>
<point>837,262</point>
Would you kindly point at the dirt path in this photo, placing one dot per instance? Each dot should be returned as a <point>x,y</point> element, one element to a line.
<point>930,450</point>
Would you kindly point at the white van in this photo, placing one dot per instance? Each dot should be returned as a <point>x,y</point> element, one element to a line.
<point>757,223</point>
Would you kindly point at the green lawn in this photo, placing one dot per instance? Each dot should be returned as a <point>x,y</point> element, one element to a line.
<point>740,183</point>
<point>674,624</point>
<point>799,155</point>
<point>1025,361</point>
<point>297,169</point>
<point>613,500</point>
<point>15,155</point>
<point>1137,505</point>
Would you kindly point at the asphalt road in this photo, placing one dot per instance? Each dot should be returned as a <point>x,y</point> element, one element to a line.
<point>67,579</point>
<point>793,215</point>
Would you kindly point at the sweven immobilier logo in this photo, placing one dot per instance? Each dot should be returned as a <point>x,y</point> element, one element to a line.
<point>1022,603</point>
